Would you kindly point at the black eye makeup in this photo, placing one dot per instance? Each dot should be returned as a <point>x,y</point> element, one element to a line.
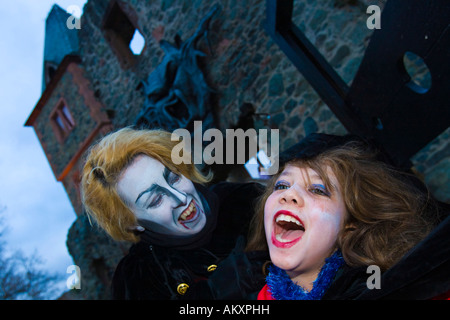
<point>158,193</point>
<point>173,178</point>
<point>170,176</point>
<point>156,201</point>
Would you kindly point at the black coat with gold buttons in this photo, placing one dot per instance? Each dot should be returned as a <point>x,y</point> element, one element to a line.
<point>219,269</point>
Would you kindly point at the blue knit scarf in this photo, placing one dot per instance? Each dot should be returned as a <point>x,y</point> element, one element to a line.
<point>282,288</point>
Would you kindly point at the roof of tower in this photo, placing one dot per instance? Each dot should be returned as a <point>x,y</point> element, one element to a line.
<point>59,39</point>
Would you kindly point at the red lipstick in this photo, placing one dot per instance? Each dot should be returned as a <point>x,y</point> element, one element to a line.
<point>288,229</point>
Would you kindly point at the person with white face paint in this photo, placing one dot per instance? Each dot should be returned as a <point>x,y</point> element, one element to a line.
<point>162,200</point>
<point>302,221</point>
<point>335,208</point>
<point>182,231</point>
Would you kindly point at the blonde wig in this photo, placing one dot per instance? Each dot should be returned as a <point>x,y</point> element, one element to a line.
<point>104,164</point>
<point>385,212</point>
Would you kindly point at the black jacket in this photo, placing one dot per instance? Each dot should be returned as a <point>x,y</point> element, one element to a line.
<point>218,270</point>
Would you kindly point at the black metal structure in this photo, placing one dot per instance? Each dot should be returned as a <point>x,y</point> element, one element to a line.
<point>382,103</point>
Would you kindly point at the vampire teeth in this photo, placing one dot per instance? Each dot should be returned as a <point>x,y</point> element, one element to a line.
<point>189,212</point>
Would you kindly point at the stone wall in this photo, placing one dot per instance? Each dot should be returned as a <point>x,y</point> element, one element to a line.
<point>97,256</point>
<point>245,67</point>
<point>60,153</point>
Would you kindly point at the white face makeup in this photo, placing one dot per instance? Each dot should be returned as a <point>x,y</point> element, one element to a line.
<point>302,220</point>
<point>162,201</point>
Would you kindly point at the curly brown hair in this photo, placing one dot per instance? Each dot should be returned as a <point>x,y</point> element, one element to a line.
<point>386,212</point>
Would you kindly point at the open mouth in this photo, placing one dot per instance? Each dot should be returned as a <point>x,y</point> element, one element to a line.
<point>288,229</point>
<point>189,214</point>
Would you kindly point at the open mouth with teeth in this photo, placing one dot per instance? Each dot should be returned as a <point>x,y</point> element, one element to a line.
<point>288,229</point>
<point>189,214</point>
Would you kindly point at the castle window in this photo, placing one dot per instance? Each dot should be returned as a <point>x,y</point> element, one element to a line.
<point>125,39</point>
<point>61,121</point>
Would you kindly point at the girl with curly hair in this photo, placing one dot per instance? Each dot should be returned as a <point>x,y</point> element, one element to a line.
<point>333,210</point>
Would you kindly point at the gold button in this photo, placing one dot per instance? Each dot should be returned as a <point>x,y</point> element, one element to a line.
<point>212,267</point>
<point>182,288</point>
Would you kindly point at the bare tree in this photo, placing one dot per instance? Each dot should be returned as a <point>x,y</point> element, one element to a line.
<point>21,277</point>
